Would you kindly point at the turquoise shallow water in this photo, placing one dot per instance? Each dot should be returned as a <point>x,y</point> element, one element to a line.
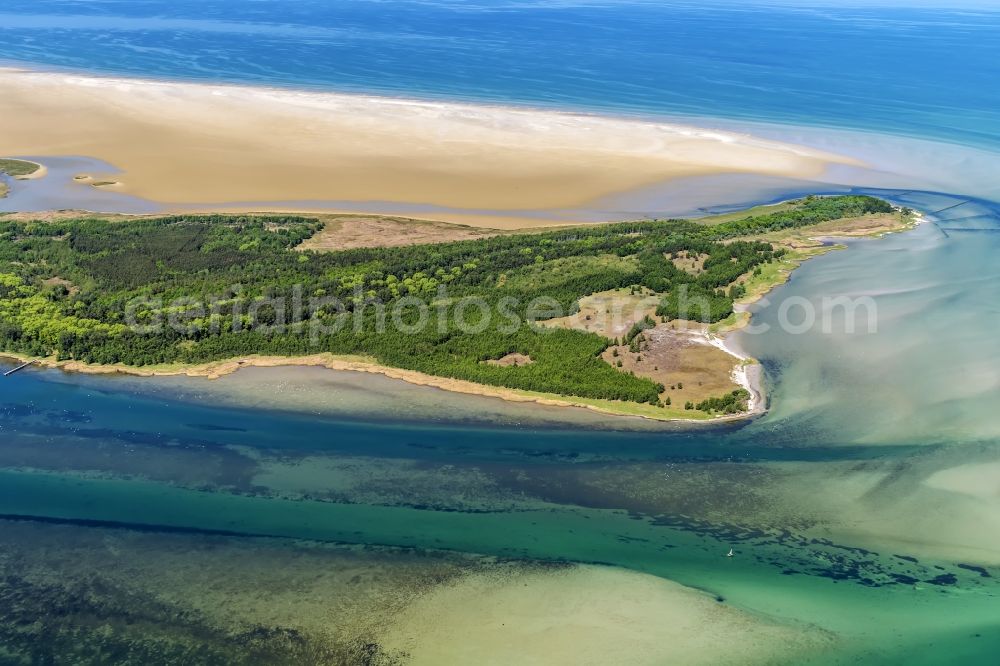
<point>924,368</point>
<point>864,502</point>
<point>838,502</point>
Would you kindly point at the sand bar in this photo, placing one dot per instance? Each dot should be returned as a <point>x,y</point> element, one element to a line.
<point>209,144</point>
<point>588,615</point>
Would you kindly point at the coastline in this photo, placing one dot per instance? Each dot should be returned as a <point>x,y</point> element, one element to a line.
<point>749,373</point>
<point>200,146</point>
<point>218,369</point>
<point>40,172</point>
<point>746,373</point>
<point>500,138</point>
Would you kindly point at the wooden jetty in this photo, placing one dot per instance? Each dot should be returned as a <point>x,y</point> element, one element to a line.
<point>20,367</point>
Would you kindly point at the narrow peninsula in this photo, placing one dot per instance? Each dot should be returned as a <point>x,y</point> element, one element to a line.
<point>621,317</point>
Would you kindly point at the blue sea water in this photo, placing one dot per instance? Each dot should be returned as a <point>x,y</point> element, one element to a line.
<point>864,430</point>
<point>927,70</point>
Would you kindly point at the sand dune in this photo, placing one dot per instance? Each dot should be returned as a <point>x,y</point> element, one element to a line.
<point>211,145</point>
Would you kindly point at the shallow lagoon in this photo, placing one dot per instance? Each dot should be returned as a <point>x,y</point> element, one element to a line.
<point>864,508</point>
<point>866,502</point>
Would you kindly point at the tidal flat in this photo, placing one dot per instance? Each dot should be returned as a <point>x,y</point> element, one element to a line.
<point>283,514</point>
<point>875,537</point>
<point>92,594</point>
<point>89,593</point>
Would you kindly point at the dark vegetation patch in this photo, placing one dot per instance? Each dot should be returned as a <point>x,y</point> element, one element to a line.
<point>97,621</point>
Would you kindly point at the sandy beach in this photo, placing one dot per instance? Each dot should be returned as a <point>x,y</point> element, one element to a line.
<point>219,145</point>
<point>218,369</point>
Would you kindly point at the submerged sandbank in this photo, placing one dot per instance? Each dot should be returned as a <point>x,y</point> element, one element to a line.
<point>191,144</point>
<point>588,615</point>
<point>279,601</point>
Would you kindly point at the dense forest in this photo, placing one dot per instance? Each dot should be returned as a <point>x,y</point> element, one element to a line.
<point>104,291</point>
